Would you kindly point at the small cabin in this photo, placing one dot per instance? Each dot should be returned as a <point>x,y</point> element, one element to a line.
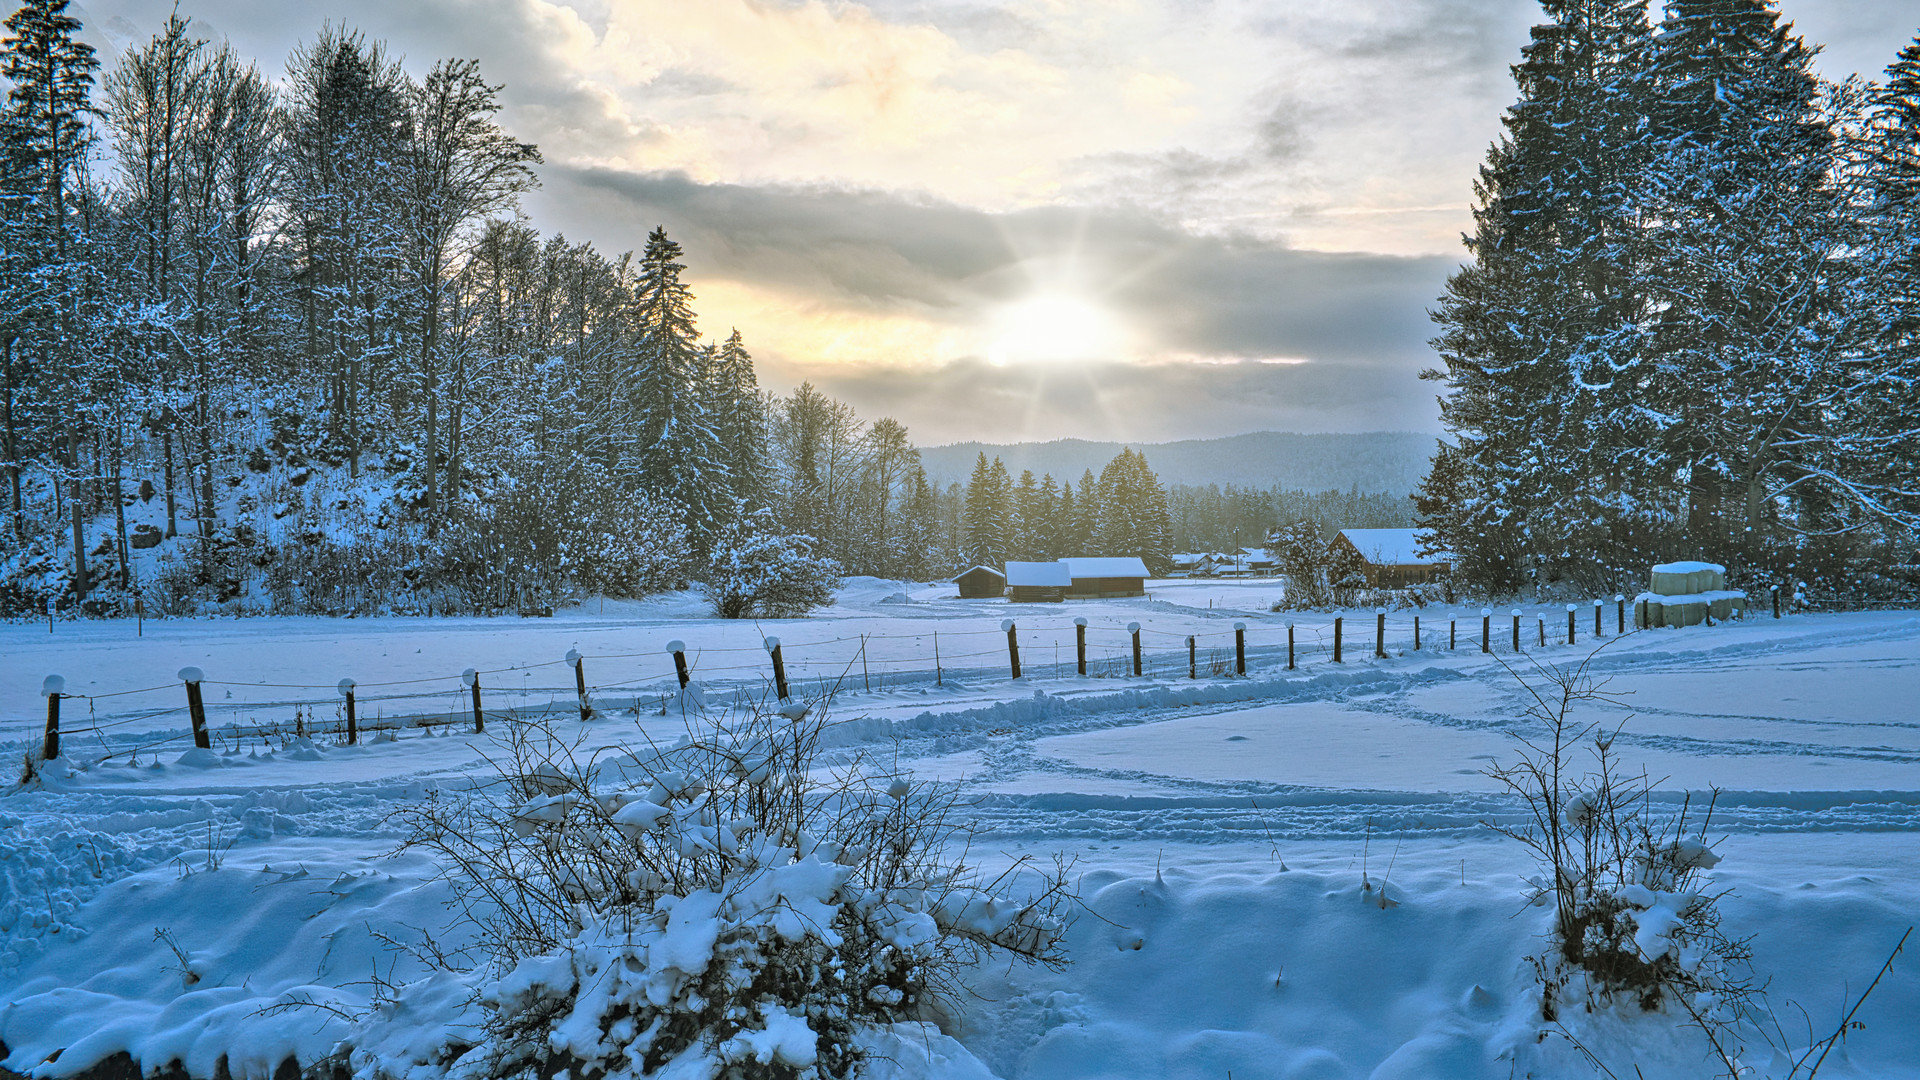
<point>1037,582</point>
<point>1392,557</point>
<point>981,583</point>
<point>1107,576</point>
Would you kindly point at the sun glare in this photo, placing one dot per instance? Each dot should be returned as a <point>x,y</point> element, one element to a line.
<point>1053,328</point>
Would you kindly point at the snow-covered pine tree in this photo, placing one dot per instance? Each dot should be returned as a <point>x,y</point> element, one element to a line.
<point>1542,368</point>
<point>50,74</point>
<point>1744,266</point>
<point>739,420</point>
<point>674,450</point>
<point>344,119</point>
<point>1885,406</point>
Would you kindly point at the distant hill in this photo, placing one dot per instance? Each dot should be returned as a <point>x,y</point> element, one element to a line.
<point>1389,461</point>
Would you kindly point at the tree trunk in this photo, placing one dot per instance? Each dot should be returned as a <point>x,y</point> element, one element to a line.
<point>12,447</point>
<point>166,443</point>
<point>75,500</point>
<point>120,501</point>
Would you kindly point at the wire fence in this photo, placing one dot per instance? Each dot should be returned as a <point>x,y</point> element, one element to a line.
<point>141,720</point>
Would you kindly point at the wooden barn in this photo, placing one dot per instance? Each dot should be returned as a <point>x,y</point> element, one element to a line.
<point>1392,557</point>
<point>981,583</point>
<point>1037,582</point>
<point>1107,576</point>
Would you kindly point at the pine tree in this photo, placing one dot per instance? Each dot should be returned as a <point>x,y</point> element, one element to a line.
<point>739,420</point>
<point>1066,526</point>
<point>1086,522</point>
<point>1134,518</point>
<point>1747,272</point>
<point>50,73</point>
<point>675,452</point>
<point>1542,366</point>
<point>1045,531</point>
<point>1027,515</point>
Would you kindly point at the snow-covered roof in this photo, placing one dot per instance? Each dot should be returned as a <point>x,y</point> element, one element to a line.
<point>1391,547</point>
<point>1037,575</point>
<point>1110,566</point>
<point>1688,568</point>
<point>988,569</point>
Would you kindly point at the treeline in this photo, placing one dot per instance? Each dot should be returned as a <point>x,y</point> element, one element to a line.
<point>1225,519</point>
<point>302,328</point>
<point>1691,322</point>
<point>1121,512</point>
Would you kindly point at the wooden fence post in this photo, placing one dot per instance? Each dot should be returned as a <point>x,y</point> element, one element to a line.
<point>1134,629</point>
<point>679,650</point>
<point>1619,613</point>
<point>780,666</point>
<point>1193,658</point>
<point>196,708</point>
<point>1080,644</point>
<point>1599,630</point>
<point>140,616</point>
<point>1775,590</point>
<point>1453,634</point>
<point>1380,633</point>
<point>579,665</point>
<point>1486,630</point>
<point>1570,611</point>
<point>1543,631</point>
<point>1516,630</point>
<point>54,687</point>
<point>1013,645</point>
<point>472,679</point>
<point>1416,633</point>
<point>1239,648</point>
<point>1336,639</point>
<point>353,721</point>
<point>1289,646</point>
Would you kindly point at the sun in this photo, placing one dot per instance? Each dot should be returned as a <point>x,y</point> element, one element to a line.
<point>1053,327</point>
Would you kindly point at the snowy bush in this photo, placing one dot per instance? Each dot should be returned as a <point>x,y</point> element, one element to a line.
<point>757,571</point>
<point>723,908</point>
<point>1634,916</point>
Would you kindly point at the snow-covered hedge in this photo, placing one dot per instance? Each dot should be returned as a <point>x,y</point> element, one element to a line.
<point>756,570</point>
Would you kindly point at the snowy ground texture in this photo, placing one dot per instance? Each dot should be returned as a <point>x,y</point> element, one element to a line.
<point>1235,835</point>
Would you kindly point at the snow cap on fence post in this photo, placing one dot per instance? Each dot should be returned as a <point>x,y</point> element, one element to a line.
<point>191,675</point>
<point>1006,624</point>
<point>53,685</point>
<point>679,650</point>
<point>1079,620</point>
<point>1133,628</point>
<point>573,657</point>
<point>771,643</point>
<point>346,687</point>
<point>468,676</point>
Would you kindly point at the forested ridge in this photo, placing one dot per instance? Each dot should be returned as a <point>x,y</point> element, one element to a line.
<point>1690,327</point>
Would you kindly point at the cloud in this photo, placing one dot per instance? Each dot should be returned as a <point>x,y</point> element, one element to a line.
<point>968,400</point>
<point>879,252</point>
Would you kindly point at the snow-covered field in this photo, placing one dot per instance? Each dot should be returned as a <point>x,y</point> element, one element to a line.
<point>1234,835</point>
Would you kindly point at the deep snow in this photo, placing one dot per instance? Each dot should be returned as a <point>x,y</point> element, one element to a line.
<point>1235,834</point>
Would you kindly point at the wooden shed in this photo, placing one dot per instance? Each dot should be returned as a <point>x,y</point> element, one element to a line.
<point>1392,557</point>
<point>981,583</point>
<point>1107,576</point>
<point>1037,582</point>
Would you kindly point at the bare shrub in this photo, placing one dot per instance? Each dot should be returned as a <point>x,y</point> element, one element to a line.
<point>726,897</point>
<point>1634,917</point>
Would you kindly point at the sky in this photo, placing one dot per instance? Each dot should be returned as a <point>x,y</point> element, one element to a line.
<point>1011,220</point>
